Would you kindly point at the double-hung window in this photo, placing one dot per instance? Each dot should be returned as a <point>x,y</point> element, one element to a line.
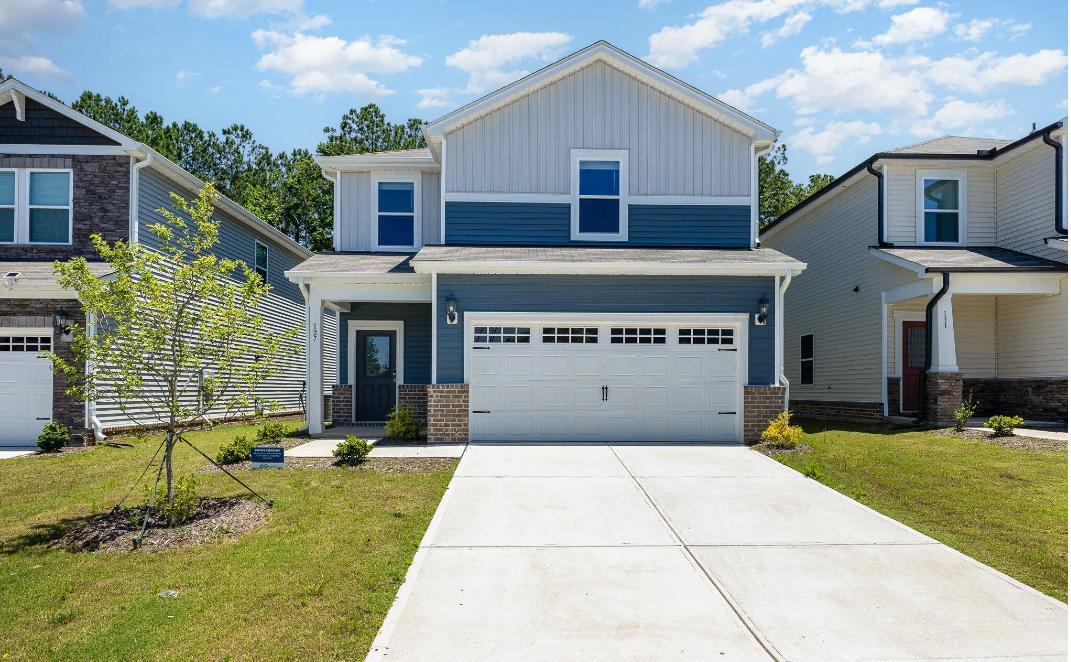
<point>396,212</point>
<point>35,206</point>
<point>600,195</point>
<point>260,260</point>
<point>940,207</point>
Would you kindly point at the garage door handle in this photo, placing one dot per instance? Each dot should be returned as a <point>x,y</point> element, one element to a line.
<point>720,413</point>
<point>481,411</point>
<point>46,418</point>
<point>726,349</point>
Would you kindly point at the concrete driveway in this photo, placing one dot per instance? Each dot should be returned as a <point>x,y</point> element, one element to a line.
<point>674,552</point>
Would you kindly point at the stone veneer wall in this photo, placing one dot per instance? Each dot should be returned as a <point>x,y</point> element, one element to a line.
<point>837,410</point>
<point>944,392</point>
<point>761,405</point>
<point>28,313</point>
<point>342,404</point>
<point>1032,398</point>
<point>893,386</point>
<point>448,412</point>
<point>415,396</point>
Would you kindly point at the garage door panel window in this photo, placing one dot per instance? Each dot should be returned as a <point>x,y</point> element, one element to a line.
<point>25,343</point>
<point>587,335</point>
<point>502,334</point>
<point>632,335</point>
<point>705,336</point>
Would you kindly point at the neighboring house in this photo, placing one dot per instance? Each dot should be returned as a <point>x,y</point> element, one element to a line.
<point>935,270</point>
<point>572,258</point>
<point>64,177</point>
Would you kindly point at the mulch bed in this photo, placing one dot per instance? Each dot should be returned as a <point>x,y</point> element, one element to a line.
<point>1014,441</point>
<point>772,451</point>
<point>213,521</point>
<point>380,464</point>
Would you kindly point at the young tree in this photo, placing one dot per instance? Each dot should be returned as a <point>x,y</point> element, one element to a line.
<point>777,192</point>
<point>176,330</point>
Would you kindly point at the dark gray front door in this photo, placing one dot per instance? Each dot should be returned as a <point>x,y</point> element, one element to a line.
<point>376,370</point>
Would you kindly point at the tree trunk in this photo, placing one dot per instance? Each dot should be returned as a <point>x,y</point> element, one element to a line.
<point>168,451</point>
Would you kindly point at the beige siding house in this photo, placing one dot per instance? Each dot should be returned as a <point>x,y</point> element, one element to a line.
<point>935,270</point>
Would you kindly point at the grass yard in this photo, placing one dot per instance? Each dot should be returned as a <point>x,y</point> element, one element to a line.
<point>1005,507</point>
<point>315,582</point>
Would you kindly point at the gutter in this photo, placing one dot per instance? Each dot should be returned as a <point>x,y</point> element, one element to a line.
<point>780,340</point>
<point>135,172</point>
<point>1059,195</point>
<point>881,202</point>
<point>945,280</point>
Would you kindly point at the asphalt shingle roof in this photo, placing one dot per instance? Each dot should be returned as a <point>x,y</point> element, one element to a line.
<point>973,258</point>
<point>953,145</point>
<point>356,263</point>
<point>587,254</point>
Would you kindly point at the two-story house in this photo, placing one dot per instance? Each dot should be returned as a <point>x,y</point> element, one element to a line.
<point>572,257</point>
<point>936,270</point>
<point>63,178</point>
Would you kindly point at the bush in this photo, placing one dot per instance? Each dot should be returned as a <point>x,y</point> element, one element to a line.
<point>402,423</point>
<point>180,508</point>
<point>270,431</point>
<point>964,412</point>
<point>237,450</point>
<point>352,451</point>
<point>781,434</point>
<point>1003,426</point>
<point>55,436</point>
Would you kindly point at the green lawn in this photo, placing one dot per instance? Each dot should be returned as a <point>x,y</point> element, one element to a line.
<point>1005,507</point>
<point>314,583</point>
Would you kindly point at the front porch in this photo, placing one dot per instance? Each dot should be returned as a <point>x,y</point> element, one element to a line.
<point>1001,336</point>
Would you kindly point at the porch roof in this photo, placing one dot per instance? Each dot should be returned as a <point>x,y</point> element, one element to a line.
<point>341,264</point>
<point>966,259</point>
<point>41,275</point>
<point>590,259</point>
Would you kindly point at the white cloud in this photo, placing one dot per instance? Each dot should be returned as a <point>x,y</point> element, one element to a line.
<point>304,23</point>
<point>792,26</point>
<point>890,4</point>
<point>183,75</point>
<point>919,24</point>
<point>215,89</point>
<point>19,19</point>
<point>490,61</point>
<point>27,66</point>
<point>975,29</point>
<point>433,97</point>
<point>823,144</point>
<point>242,8</point>
<point>651,4</point>
<point>149,4</point>
<point>980,73</point>
<point>1016,30</point>
<point>331,64</point>
<point>959,115</point>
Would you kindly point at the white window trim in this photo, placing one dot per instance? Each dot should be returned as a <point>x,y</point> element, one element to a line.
<point>14,208</point>
<point>920,206</point>
<point>619,155</point>
<point>257,244</point>
<point>22,207</point>
<point>386,176</point>
<point>813,353</point>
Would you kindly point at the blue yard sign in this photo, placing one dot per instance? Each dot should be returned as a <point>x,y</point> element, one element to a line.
<point>267,457</point>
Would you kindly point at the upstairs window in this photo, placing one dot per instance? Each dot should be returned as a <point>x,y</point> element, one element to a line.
<point>260,260</point>
<point>807,359</point>
<point>396,213</point>
<point>35,206</point>
<point>600,208</point>
<point>940,207</point>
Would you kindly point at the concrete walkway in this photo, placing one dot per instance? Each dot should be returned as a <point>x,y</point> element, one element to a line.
<point>652,552</point>
<point>324,446</point>
<point>7,452</point>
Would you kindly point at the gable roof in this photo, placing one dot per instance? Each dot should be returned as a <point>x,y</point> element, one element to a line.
<point>15,91</point>
<point>614,57</point>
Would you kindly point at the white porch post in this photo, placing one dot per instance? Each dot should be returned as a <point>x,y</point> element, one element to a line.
<point>944,337</point>
<point>314,398</point>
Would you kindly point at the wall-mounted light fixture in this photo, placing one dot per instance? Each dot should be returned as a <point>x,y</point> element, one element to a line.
<point>59,322</point>
<point>451,310</point>
<point>764,308</point>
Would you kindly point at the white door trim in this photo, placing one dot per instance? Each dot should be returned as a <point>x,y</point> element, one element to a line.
<point>398,326</point>
<point>899,317</point>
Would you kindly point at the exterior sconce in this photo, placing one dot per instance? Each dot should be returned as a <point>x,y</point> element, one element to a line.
<point>451,310</point>
<point>764,308</point>
<point>59,321</point>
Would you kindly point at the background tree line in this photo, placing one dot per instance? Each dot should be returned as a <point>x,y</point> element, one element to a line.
<point>287,190</point>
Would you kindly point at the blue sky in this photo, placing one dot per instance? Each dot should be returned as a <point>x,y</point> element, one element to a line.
<point>841,78</point>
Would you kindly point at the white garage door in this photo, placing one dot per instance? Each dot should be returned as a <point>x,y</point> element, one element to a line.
<point>25,386</point>
<point>624,379</point>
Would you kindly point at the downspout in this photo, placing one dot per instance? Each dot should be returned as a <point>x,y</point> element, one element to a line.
<point>929,342</point>
<point>134,197</point>
<point>91,405</point>
<point>1059,196</point>
<point>881,202</point>
<point>308,347</point>
<point>781,332</point>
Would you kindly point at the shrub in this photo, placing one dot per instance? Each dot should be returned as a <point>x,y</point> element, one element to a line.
<point>237,450</point>
<point>55,436</point>
<point>402,423</point>
<point>270,431</point>
<point>964,412</point>
<point>1003,426</point>
<point>781,434</point>
<point>352,451</point>
<point>182,506</point>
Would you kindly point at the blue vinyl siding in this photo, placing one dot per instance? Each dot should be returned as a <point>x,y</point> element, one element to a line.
<point>547,224</point>
<point>605,294</point>
<point>417,331</point>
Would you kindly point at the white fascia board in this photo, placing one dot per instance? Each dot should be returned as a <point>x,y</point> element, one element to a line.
<point>13,84</point>
<point>564,198</point>
<point>366,162</point>
<point>356,277</point>
<point>609,268</point>
<point>81,150</point>
<point>1006,283</point>
<point>899,261</point>
<point>924,287</point>
<point>618,59</point>
<point>23,291</point>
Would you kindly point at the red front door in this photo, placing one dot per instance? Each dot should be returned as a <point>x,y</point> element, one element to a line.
<point>911,363</point>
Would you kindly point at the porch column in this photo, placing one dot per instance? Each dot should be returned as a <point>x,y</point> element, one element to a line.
<point>943,358</point>
<point>314,397</point>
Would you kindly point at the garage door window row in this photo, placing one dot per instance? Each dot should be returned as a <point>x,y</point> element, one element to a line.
<point>571,335</point>
<point>631,335</point>
<point>589,335</point>
<point>25,343</point>
<point>502,334</point>
<point>705,337</point>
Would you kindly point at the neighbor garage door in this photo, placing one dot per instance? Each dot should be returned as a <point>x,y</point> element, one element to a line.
<point>25,385</point>
<point>613,379</point>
